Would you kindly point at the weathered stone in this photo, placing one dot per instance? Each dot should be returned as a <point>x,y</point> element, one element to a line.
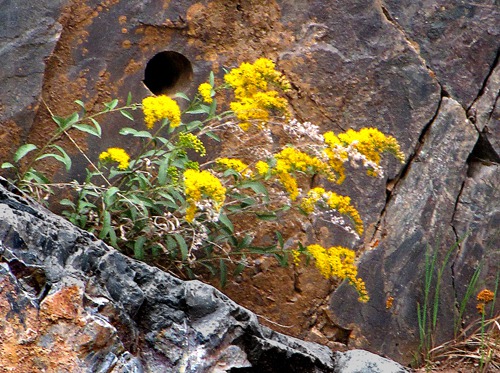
<point>395,268</point>
<point>352,64</point>
<point>143,321</point>
<point>458,40</point>
<point>358,361</point>
<point>28,36</point>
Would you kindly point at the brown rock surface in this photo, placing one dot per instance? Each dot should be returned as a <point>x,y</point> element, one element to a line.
<point>406,67</point>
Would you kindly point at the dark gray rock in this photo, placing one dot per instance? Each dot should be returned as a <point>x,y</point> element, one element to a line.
<point>358,361</point>
<point>458,40</point>
<point>105,312</point>
<point>28,36</point>
<point>417,218</point>
<point>353,64</point>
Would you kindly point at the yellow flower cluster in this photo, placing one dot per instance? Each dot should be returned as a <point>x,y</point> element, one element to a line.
<point>191,141</point>
<point>160,107</point>
<point>484,297</point>
<point>289,160</point>
<point>234,164</point>
<point>262,168</point>
<point>254,98</point>
<point>338,262</point>
<point>369,142</point>
<point>205,90</point>
<point>199,185</point>
<point>116,155</point>
<point>389,302</point>
<point>332,200</point>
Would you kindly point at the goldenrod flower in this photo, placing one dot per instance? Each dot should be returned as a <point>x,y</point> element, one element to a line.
<point>254,99</point>
<point>389,302</point>
<point>290,160</point>
<point>480,307</point>
<point>338,262</point>
<point>156,108</point>
<point>290,184</point>
<point>205,90</point>
<point>199,185</point>
<point>262,168</point>
<point>191,141</point>
<point>116,155</point>
<point>296,257</point>
<point>332,200</point>
<point>234,164</point>
<point>485,295</point>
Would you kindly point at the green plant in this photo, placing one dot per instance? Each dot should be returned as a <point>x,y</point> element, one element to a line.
<point>480,340</point>
<point>168,203</point>
<point>427,312</point>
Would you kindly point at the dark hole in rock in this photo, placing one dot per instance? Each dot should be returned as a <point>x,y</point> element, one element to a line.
<point>31,278</point>
<point>483,153</point>
<point>167,72</point>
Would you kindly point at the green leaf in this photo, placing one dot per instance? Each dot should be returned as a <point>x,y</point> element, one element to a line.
<point>111,105</point>
<point>282,259</point>
<point>22,151</point>
<point>223,272</point>
<point>211,78</point>
<point>239,269</point>
<point>60,121</point>
<point>67,202</point>
<point>139,247</point>
<point>267,216</point>
<point>213,136</point>
<point>71,120</point>
<point>129,98</point>
<point>106,225</point>
<point>7,165</point>
<point>182,245</point>
<point>63,158</point>
<point>131,131</point>
<point>109,195</point>
<point>280,239</point>
<point>245,242</point>
<point>181,95</point>
<point>162,173</point>
<point>193,125</point>
<point>97,126</point>
<point>127,115</point>
<point>80,103</point>
<point>213,108</point>
<point>37,176</point>
<point>256,186</point>
<point>202,109</point>
<point>226,222</point>
<point>88,129</point>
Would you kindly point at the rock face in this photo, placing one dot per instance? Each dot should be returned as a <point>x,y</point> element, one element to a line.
<point>70,303</point>
<point>423,71</point>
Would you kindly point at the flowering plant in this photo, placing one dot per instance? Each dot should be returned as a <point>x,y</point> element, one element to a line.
<point>169,203</point>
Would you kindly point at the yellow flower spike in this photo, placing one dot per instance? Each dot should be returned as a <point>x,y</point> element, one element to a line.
<point>191,141</point>
<point>199,185</point>
<point>234,164</point>
<point>262,168</point>
<point>116,155</point>
<point>485,295</point>
<point>290,184</point>
<point>296,257</point>
<point>338,262</point>
<point>254,99</point>
<point>342,204</point>
<point>205,90</point>
<point>156,108</point>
